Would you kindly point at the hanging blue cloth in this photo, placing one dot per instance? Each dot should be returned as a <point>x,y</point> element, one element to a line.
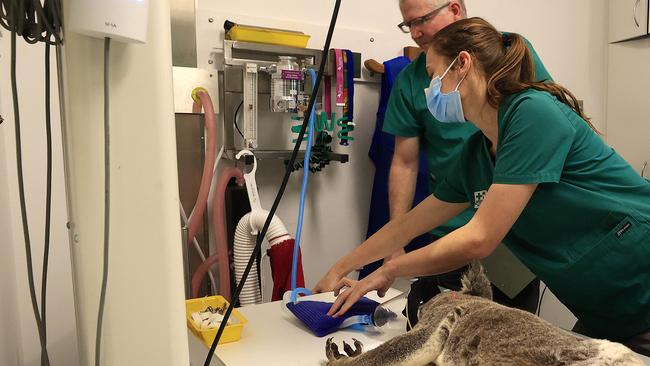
<point>381,152</point>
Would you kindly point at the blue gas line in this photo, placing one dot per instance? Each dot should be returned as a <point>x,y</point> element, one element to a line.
<point>303,193</point>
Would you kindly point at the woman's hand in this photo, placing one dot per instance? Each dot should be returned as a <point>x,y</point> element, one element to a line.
<point>379,280</point>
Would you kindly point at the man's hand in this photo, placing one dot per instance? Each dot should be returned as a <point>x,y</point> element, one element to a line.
<point>379,280</point>
<point>328,282</point>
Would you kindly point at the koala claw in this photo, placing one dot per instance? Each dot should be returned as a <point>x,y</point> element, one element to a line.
<point>332,350</point>
<point>358,345</point>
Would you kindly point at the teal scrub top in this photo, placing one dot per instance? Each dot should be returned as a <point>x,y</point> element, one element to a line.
<point>407,115</point>
<point>586,229</point>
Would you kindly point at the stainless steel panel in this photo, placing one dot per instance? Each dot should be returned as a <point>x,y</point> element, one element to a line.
<point>233,81</point>
<point>190,156</point>
<point>238,53</point>
<point>183,28</point>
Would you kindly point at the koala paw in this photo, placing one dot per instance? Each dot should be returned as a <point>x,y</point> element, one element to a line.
<point>332,350</point>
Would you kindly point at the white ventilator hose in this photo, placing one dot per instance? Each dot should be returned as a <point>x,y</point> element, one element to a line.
<point>245,238</point>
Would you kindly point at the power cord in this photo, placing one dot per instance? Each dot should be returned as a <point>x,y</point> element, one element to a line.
<point>23,210</point>
<point>35,22</point>
<point>234,120</point>
<point>48,199</point>
<point>541,297</point>
<point>283,186</point>
<point>107,200</point>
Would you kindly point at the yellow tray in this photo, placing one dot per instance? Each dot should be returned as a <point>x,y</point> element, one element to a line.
<point>268,36</point>
<point>232,333</point>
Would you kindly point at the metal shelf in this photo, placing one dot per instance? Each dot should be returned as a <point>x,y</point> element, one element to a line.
<point>283,155</point>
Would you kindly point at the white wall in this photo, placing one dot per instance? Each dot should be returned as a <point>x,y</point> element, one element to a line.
<point>628,111</point>
<point>144,321</point>
<point>569,36</point>
<point>18,335</point>
<point>10,345</point>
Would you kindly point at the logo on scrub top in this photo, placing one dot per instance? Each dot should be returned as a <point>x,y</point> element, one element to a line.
<point>479,196</point>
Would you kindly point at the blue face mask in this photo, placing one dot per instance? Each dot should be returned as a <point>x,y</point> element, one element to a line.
<point>445,107</point>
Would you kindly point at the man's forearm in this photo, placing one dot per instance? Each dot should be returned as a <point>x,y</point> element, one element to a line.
<point>401,189</point>
<point>381,244</point>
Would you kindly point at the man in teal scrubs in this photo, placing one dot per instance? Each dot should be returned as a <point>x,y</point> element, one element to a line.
<point>542,181</point>
<point>416,130</point>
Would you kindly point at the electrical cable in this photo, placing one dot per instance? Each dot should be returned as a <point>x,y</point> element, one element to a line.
<point>283,186</point>
<point>107,196</point>
<point>23,209</point>
<point>35,22</point>
<point>48,194</point>
<point>235,119</point>
<point>541,297</point>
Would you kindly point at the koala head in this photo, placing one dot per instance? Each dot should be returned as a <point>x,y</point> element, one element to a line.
<point>474,284</point>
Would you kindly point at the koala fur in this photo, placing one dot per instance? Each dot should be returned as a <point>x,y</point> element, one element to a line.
<point>467,328</point>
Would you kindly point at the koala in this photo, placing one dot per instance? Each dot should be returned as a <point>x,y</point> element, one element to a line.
<point>467,328</point>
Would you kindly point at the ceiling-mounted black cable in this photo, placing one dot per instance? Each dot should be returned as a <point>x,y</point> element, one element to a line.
<point>283,186</point>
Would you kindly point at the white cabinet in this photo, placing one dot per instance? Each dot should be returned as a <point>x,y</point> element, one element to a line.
<point>627,19</point>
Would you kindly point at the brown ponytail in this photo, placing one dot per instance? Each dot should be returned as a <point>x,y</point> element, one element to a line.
<point>505,58</point>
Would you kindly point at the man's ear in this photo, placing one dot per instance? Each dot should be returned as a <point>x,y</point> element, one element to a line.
<point>456,10</point>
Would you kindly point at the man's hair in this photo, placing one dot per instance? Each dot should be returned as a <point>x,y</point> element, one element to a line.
<point>437,3</point>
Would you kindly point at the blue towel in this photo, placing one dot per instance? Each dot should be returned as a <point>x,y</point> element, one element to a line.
<point>314,314</point>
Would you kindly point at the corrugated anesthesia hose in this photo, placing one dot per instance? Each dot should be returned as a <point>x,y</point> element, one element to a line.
<point>220,235</point>
<point>245,239</point>
<point>202,99</point>
<point>197,247</point>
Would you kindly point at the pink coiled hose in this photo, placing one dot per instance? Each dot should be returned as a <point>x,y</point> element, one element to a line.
<point>219,225</point>
<point>202,99</point>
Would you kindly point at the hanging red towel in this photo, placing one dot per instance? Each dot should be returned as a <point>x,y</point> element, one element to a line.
<point>281,257</point>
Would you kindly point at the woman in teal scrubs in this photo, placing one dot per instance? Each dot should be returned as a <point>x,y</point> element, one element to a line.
<point>542,181</point>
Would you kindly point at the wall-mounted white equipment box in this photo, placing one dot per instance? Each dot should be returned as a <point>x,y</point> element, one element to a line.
<point>628,19</point>
<point>120,20</point>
